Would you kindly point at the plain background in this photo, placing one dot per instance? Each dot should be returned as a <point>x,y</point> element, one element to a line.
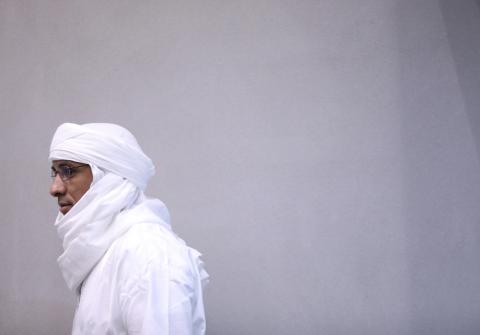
<point>322,155</point>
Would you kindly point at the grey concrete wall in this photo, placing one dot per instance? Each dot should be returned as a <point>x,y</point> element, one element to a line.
<point>323,155</point>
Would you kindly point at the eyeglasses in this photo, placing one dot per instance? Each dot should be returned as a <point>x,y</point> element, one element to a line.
<point>66,172</point>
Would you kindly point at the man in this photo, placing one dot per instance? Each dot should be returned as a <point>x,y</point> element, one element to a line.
<point>132,274</point>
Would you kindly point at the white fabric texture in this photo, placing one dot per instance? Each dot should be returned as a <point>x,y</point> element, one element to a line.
<point>106,145</point>
<point>133,275</point>
<point>89,228</point>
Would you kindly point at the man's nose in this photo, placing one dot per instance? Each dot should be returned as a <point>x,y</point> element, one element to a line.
<point>58,186</point>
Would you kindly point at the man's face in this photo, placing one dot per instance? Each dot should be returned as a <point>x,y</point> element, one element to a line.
<point>71,181</point>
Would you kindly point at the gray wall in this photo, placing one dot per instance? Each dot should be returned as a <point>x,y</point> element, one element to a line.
<point>323,155</point>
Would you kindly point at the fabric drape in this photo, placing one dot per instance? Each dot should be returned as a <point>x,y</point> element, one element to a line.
<point>132,274</point>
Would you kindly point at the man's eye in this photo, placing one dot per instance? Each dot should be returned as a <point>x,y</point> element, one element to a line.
<point>66,171</point>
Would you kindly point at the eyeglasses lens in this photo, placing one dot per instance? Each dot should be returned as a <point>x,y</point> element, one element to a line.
<point>65,172</point>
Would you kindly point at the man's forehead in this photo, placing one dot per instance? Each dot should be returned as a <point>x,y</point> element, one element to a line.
<point>62,162</point>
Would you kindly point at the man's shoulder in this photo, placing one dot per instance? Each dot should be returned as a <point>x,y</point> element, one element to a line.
<point>149,249</point>
<point>148,239</point>
<point>144,243</point>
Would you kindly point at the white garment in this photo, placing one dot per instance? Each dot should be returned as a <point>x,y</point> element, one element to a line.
<point>131,272</point>
<point>148,282</point>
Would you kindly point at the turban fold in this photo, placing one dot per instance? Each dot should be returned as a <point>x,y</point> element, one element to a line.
<point>108,146</point>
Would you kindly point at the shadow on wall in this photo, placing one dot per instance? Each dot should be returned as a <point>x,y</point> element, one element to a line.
<point>439,90</point>
<point>462,22</point>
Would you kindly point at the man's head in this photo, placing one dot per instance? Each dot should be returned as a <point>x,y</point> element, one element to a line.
<point>77,149</point>
<point>70,182</point>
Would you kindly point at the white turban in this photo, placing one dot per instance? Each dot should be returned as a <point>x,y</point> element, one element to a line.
<point>105,145</point>
<point>120,174</point>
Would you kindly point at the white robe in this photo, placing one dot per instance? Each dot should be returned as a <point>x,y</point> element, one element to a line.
<point>133,275</point>
<point>148,282</point>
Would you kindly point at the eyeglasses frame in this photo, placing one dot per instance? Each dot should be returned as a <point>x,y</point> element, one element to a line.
<point>63,177</point>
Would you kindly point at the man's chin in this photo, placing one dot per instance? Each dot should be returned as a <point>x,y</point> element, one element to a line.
<point>65,209</point>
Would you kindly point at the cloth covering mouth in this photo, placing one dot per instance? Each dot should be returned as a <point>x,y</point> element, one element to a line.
<point>91,226</point>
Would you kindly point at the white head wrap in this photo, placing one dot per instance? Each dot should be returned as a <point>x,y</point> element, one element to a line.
<point>114,202</point>
<point>105,145</point>
<point>120,172</point>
